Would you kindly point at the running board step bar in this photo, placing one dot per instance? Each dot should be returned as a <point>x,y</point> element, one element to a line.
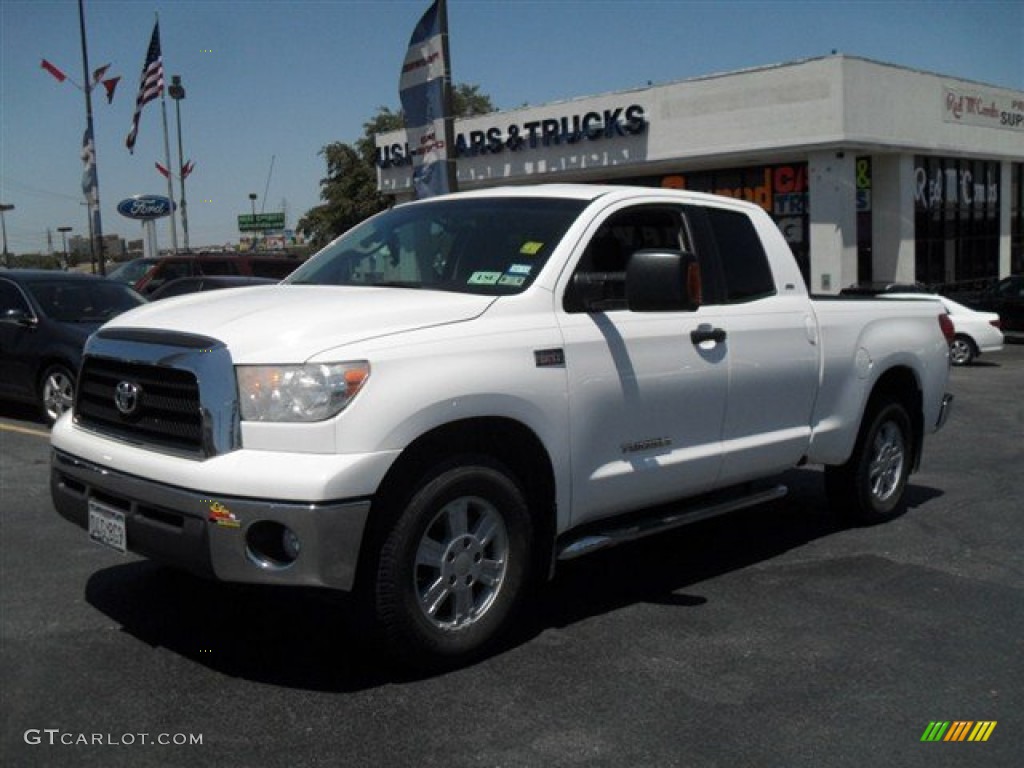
<point>638,529</point>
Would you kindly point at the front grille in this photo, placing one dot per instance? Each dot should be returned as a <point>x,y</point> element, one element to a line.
<point>168,414</point>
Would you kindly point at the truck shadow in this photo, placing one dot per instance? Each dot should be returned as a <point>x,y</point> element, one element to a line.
<point>316,640</point>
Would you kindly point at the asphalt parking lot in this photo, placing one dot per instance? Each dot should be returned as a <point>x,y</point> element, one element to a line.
<point>772,637</point>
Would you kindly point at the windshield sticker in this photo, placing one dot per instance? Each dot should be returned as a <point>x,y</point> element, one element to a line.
<point>512,280</point>
<point>531,248</point>
<point>484,278</point>
<point>520,269</point>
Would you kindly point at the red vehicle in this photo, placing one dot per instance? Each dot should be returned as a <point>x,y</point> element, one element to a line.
<point>146,274</point>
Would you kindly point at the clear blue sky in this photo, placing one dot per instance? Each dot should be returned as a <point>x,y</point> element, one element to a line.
<point>282,78</point>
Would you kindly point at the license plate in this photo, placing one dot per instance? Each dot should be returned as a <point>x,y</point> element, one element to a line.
<point>106,525</point>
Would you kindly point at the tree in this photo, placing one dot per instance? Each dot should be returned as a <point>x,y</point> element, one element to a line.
<point>349,190</point>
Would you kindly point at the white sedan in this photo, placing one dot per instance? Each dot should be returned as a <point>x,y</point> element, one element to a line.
<point>976,332</point>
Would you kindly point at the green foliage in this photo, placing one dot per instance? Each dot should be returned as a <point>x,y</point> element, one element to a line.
<point>349,190</point>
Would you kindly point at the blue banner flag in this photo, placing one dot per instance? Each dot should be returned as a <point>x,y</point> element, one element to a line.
<point>422,90</point>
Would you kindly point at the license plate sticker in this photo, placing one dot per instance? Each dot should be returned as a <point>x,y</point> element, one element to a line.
<point>106,526</point>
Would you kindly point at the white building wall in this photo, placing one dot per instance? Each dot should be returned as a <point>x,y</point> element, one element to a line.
<point>833,226</point>
<point>892,218</point>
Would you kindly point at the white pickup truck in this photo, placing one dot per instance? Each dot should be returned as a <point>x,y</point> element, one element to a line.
<point>460,392</point>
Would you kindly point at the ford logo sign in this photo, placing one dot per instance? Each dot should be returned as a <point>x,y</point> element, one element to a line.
<point>145,207</point>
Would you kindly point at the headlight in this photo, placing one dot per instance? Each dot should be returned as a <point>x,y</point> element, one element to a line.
<point>311,392</point>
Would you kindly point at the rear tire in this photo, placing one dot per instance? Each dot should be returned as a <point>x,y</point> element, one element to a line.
<point>962,351</point>
<point>870,487</point>
<point>455,564</point>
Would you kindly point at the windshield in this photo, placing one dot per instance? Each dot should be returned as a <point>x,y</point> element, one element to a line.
<point>131,271</point>
<point>492,246</point>
<point>83,301</point>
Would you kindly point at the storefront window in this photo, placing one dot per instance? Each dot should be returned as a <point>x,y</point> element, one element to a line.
<point>956,221</point>
<point>865,273</point>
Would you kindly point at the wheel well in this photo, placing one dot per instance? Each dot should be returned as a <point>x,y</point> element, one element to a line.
<point>901,385</point>
<point>506,441</point>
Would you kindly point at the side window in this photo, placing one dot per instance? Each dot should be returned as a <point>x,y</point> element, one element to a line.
<point>217,267</point>
<point>11,298</point>
<point>748,275</point>
<point>603,264</point>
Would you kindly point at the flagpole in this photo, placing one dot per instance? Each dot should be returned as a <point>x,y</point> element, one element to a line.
<point>448,101</point>
<point>167,157</point>
<point>96,225</point>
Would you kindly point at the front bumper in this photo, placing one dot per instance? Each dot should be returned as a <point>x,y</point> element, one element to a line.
<point>214,535</point>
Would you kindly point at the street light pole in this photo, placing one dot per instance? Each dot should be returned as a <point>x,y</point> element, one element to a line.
<point>64,238</point>
<point>4,208</point>
<point>177,92</point>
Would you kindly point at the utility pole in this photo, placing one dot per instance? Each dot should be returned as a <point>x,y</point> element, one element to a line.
<point>93,199</point>
<point>4,208</point>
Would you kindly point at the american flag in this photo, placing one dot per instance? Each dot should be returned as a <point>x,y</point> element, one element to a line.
<point>152,84</point>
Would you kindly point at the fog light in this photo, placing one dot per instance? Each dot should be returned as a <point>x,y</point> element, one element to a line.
<point>271,545</point>
<point>290,542</point>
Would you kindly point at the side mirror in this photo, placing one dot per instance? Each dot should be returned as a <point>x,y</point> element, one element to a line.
<point>18,317</point>
<point>663,281</point>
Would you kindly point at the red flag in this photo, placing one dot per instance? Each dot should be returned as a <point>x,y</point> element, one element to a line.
<point>98,74</point>
<point>186,169</point>
<point>61,77</point>
<point>110,85</point>
<point>163,171</point>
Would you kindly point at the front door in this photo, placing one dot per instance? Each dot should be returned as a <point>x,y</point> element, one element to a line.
<point>647,403</point>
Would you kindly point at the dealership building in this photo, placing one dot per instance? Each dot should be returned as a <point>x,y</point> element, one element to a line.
<point>873,172</point>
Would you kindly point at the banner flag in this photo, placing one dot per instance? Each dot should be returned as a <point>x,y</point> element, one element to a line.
<point>89,177</point>
<point>110,85</point>
<point>61,77</point>
<point>422,90</point>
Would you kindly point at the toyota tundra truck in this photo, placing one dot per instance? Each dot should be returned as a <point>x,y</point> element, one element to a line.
<point>461,392</point>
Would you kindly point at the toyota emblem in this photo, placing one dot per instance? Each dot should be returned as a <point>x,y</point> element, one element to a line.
<point>127,396</point>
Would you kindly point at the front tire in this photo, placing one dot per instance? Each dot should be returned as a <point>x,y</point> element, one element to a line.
<point>455,564</point>
<point>56,392</point>
<point>870,487</point>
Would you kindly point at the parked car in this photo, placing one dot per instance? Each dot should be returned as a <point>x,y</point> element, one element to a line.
<point>130,272</point>
<point>461,392</point>
<point>1005,298</point>
<point>185,285</point>
<point>975,332</point>
<point>882,288</point>
<point>45,318</point>
<point>147,274</point>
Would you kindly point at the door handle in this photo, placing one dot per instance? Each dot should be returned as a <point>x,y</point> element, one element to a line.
<point>707,333</point>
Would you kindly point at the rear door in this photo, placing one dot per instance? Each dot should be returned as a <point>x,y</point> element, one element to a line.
<point>772,348</point>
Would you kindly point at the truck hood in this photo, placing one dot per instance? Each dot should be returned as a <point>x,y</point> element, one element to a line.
<point>292,323</point>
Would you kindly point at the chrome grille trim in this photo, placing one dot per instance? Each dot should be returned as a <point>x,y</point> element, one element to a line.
<point>189,403</point>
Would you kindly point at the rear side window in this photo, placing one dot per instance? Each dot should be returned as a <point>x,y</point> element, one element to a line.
<point>748,275</point>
